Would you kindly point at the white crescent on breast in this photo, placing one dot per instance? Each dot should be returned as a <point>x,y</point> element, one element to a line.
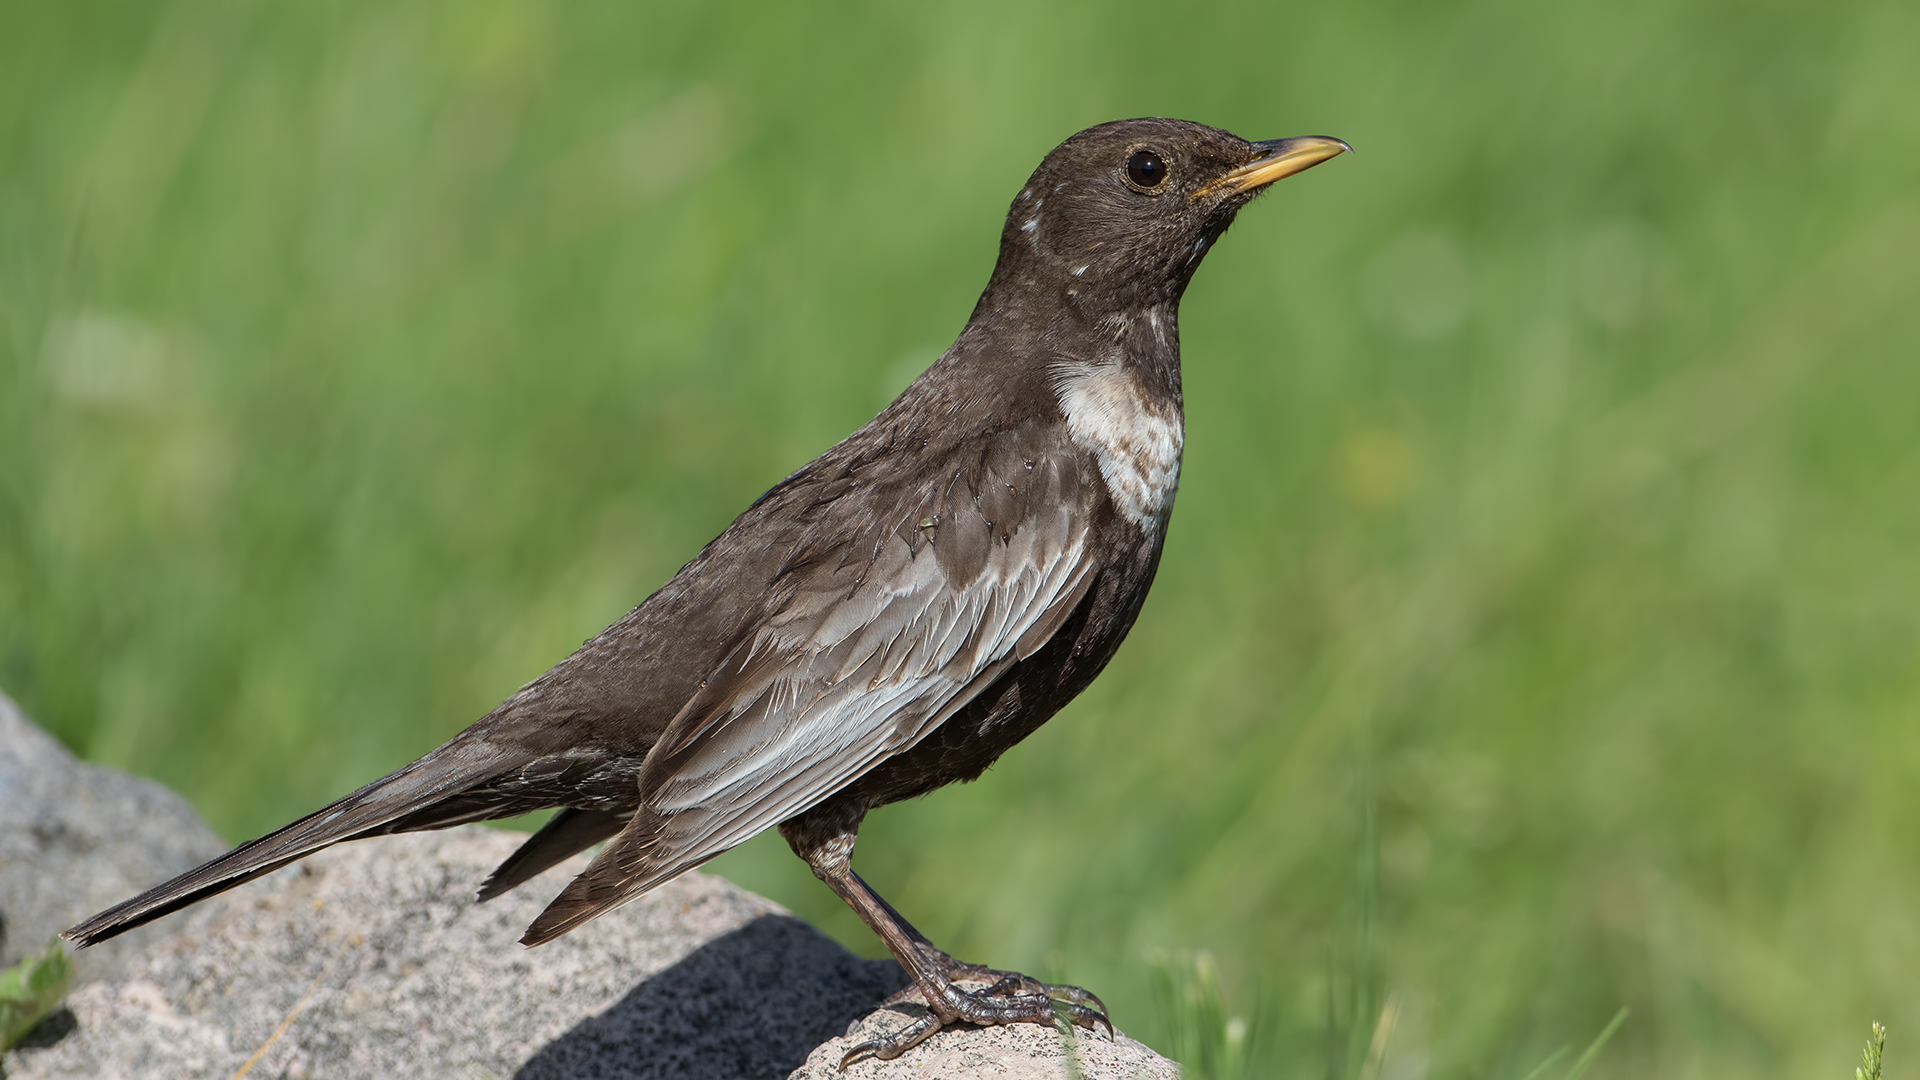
<point>1136,441</point>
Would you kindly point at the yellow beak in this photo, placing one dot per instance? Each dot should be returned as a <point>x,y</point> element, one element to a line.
<point>1282,158</point>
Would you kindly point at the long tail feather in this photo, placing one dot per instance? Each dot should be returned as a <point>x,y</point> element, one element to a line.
<point>403,799</point>
<point>571,830</point>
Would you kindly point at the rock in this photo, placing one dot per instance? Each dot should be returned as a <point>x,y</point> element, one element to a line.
<point>372,959</point>
<point>76,838</point>
<point>1018,1052</point>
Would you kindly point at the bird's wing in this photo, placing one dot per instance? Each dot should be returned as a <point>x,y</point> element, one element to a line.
<point>885,624</point>
<point>845,678</point>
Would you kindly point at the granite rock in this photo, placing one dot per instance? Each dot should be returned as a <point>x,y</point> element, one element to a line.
<point>1015,1052</point>
<point>76,838</point>
<point>372,959</point>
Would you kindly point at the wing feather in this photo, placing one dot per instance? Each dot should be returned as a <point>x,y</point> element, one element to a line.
<point>884,631</point>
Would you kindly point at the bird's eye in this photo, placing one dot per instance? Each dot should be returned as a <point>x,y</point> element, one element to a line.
<point>1146,170</point>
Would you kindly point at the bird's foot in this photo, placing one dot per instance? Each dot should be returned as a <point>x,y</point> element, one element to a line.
<point>1008,982</point>
<point>1008,998</point>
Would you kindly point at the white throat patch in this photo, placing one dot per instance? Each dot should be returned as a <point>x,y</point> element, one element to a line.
<point>1136,442</point>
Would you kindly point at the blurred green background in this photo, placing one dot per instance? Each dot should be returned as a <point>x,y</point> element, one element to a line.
<point>1539,631</point>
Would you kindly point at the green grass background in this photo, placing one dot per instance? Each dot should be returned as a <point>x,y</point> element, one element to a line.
<point>1539,632</point>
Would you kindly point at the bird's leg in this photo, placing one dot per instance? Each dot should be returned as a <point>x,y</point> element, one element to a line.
<point>1003,982</point>
<point>1011,999</point>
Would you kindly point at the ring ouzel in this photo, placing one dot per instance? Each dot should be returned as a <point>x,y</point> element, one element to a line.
<point>890,618</point>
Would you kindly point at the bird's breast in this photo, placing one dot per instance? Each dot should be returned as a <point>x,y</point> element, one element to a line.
<point>1135,438</point>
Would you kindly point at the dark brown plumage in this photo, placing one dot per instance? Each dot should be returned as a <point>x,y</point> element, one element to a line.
<point>890,618</point>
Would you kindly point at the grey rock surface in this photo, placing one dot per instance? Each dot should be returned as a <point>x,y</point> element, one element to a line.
<point>372,959</point>
<point>76,838</point>
<point>1018,1052</point>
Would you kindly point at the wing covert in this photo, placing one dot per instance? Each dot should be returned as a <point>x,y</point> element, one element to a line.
<point>874,642</point>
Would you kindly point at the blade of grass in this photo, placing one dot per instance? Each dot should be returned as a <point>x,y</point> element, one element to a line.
<point>1549,1062</point>
<point>1593,1048</point>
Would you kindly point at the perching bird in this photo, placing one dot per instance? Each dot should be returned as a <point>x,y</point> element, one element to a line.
<point>890,618</point>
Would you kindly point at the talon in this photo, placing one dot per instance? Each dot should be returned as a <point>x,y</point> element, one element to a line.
<point>1091,1002</point>
<point>1079,997</point>
<point>888,1046</point>
<point>1079,1016</point>
<point>1108,1024</point>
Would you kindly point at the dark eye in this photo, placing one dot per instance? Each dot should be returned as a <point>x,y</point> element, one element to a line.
<point>1146,170</point>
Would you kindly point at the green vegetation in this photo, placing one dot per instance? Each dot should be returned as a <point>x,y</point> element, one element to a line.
<point>30,990</point>
<point>1870,1057</point>
<point>1196,1028</point>
<point>1539,632</point>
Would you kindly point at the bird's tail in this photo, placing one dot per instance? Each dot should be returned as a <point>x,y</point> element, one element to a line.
<point>569,831</point>
<point>433,792</point>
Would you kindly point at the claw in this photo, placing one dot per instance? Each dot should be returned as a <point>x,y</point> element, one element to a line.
<point>1099,1016</point>
<point>1013,984</point>
<point>1011,999</point>
<point>891,1045</point>
<point>1068,1015</point>
<point>1078,997</point>
<point>1008,982</point>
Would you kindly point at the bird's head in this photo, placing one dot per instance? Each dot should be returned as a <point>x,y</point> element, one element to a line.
<point>1120,215</point>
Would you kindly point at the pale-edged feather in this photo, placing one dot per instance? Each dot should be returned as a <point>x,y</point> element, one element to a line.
<point>863,659</point>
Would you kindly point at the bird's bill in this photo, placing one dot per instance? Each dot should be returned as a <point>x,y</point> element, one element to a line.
<point>1279,158</point>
